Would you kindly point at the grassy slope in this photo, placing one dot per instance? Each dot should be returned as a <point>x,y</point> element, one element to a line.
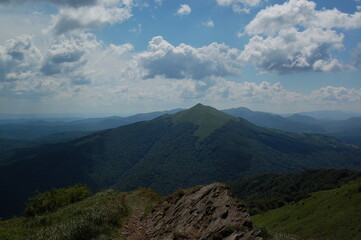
<point>207,118</point>
<point>332,214</point>
<point>269,191</point>
<point>96,217</point>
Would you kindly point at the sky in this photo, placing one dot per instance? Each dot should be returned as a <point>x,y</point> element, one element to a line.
<point>121,57</point>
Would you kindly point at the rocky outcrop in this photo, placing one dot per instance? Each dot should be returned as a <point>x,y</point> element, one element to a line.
<point>205,212</point>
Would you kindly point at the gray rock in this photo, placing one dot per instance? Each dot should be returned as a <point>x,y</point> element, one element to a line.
<point>202,212</point>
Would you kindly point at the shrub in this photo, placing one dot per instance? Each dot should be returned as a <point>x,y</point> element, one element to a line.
<point>56,198</point>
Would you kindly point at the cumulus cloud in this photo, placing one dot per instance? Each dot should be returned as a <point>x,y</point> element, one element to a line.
<point>66,54</point>
<point>72,65</point>
<point>293,51</point>
<point>19,59</point>
<point>266,95</point>
<point>184,9</point>
<point>337,94</point>
<point>250,92</point>
<point>300,13</point>
<point>112,65</point>
<point>92,17</point>
<point>184,61</point>
<point>294,36</point>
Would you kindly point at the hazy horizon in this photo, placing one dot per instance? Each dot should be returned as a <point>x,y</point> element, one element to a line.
<point>75,116</point>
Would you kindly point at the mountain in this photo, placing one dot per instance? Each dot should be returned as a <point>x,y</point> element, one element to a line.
<point>332,214</point>
<point>269,120</point>
<point>273,190</point>
<point>196,146</point>
<point>38,130</point>
<point>331,115</point>
<point>345,130</point>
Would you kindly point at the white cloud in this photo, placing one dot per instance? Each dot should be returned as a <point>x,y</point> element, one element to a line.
<point>209,23</point>
<point>184,61</point>
<point>73,65</point>
<point>337,95</point>
<point>19,59</point>
<point>67,54</point>
<point>300,13</point>
<point>294,36</point>
<point>358,8</point>
<point>92,17</point>
<point>112,65</point>
<point>13,25</point>
<point>184,9</point>
<point>293,51</point>
<point>250,92</point>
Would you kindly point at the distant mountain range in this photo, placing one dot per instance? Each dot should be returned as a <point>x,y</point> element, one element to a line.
<point>16,133</point>
<point>195,146</point>
<point>345,130</point>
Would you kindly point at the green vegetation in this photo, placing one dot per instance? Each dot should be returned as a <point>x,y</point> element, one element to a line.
<point>266,235</point>
<point>55,199</point>
<point>166,154</point>
<point>269,191</point>
<point>98,217</point>
<point>333,215</point>
<point>206,118</point>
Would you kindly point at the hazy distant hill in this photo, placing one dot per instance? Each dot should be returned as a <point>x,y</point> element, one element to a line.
<point>40,131</point>
<point>199,145</point>
<point>348,130</point>
<point>47,131</point>
<point>331,115</point>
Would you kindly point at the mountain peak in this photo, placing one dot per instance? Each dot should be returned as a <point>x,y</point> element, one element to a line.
<point>206,118</point>
<point>199,105</point>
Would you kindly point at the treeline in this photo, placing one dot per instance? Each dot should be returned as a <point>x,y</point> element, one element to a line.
<point>270,191</point>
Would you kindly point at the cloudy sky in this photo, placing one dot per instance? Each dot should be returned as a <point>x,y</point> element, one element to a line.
<point>129,56</point>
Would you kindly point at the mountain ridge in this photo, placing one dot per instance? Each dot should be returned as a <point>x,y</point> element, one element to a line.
<point>165,155</point>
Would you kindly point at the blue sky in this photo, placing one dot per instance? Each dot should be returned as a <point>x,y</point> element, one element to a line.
<point>129,56</point>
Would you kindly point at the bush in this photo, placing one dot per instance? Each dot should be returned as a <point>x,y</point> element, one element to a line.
<point>56,198</point>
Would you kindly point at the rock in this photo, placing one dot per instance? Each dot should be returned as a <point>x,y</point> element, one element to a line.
<point>204,212</point>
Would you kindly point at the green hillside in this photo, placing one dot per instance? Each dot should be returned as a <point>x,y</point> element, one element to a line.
<point>206,118</point>
<point>269,191</point>
<point>96,217</point>
<point>332,215</point>
<point>165,154</point>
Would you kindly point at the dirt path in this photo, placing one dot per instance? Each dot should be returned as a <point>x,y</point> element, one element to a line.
<point>132,230</point>
<point>137,202</point>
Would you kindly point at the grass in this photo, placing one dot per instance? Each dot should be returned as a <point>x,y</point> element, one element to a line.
<point>326,215</point>
<point>143,199</point>
<point>91,218</point>
<point>98,217</point>
<point>207,118</point>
